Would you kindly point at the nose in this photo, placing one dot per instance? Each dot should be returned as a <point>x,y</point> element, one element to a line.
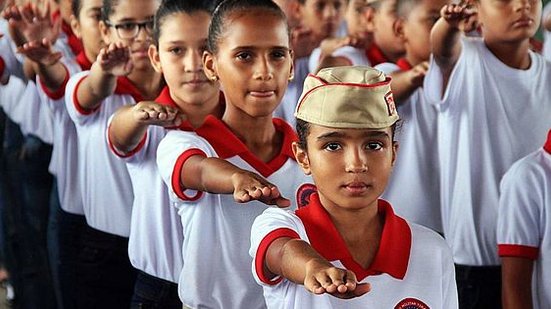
<point>524,5</point>
<point>193,61</point>
<point>329,12</point>
<point>143,35</point>
<point>263,69</point>
<point>356,161</point>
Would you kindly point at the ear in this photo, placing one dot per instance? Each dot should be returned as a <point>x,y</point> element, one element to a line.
<point>395,147</point>
<point>292,70</point>
<point>154,58</point>
<point>370,17</point>
<point>302,158</point>
<point>398,28</point>
<point>75,26</point>
<point>105,32</point>
<point>209,65</point>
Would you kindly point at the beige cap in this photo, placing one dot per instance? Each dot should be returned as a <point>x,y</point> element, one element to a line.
<point>348,97</point>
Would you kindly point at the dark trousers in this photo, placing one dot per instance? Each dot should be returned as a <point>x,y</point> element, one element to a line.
<point>479,287</point>
<point>155,293</point>
<point>104,276</point>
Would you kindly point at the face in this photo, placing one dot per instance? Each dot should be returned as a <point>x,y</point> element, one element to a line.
<point>253,62</point>
<point>383,23</point>
<point>350,167</point>
<point>86,27</point>
<point>416,28</point>
<point>323,17</point>
<point>357,19</point>
<point>126,14</point>
<point>182,41</point>
<point>65,10</point>
<point>509,20</point>
<point>290,8</point>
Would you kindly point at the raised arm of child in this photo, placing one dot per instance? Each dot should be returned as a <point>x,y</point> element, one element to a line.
<point>404,83</point>
<point>446,35</point>
<point>112,61</point>
<point>297,261</point>
<point>216,175</point>
<point>517,282</point>
<point>130,123</point>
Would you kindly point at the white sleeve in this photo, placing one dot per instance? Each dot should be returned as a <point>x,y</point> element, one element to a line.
<point>22,104</point>
<point>521,207</point>
<point>387,67</point>
<point>79,115</point>
<point>174,149</point>
<point>13,66</point>
<point>272,224</point>
<point>355,55</point>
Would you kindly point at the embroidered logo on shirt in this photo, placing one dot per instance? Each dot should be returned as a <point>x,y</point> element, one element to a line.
<point>389,99</point>
<point>411,303</point>
<point>303,194</point>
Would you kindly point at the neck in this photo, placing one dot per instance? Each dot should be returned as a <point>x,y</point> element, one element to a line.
<point>513,54</point>
<point>257,133</point>
<point>412,60</point>
<point>148,82</point>
<point>197,112</point>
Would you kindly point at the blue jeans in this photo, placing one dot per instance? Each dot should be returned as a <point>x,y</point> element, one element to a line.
<point>478,287</point>
<point>104,276</point>
<point>155,293</point>
<point>25,185</point>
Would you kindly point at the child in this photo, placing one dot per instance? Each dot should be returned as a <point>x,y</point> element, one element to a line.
<point>345,235</point>
<point>523,231</point>
<point>417,201</point>
<point>248,52</point>
<point>493,96</point>
<point>387,46</point>
<point>546,23</point>
<point>121,75</point>
<point>155,244</point>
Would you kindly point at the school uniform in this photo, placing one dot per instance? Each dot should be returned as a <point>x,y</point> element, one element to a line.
<point>414,186</point>
<point>524,219</point>
<point>413,267</point>
<point>491,116</point>
<point>216,271</point>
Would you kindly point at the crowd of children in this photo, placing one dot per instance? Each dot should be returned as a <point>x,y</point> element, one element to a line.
<point>275,154</point>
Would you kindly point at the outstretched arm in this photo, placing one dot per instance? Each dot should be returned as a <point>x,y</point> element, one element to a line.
<point>297,261</point>
<point>130,123</point>
<point>446,34</point>
<point>404,83</point>
<point>516,282</point>
<point>112,61</point>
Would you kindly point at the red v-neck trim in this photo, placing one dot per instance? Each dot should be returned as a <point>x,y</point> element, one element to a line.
<point>375,55</point>
<point>403,64</point>
<point>394,249</point>
<point>75,44</point>
<point>125,86</point>
<point>547,146</point>
<point>83,61</point>
<point>227,145</point>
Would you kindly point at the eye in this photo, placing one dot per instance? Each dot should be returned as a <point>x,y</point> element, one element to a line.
<point>374,146</point>
<point>244,56</point>
<point>175,50</point>
<point>149,25</point>
<point>332,146</point>
<point>127,26</point>
<point>279,54</point>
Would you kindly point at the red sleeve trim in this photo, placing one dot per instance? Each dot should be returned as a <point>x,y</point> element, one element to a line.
<point>122,154</point>
<point>263,248</point>
<point>176,174</point>
<point>79,107</point>
<point>60,92</point>
<point>518,251</point>
<point>2,67</point>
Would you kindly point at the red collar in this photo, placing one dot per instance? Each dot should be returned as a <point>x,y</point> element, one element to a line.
<point>375,55</point>
<point>83,61</point>
<point>547,146</point>
<point>403,64</point>
<point>2,67</point>
<point>125,86</point>
<point>74,43</point>
<point>227,145</point>
<point>394,249</point>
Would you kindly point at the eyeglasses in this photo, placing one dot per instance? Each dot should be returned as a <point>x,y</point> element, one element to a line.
<point>130,30</point>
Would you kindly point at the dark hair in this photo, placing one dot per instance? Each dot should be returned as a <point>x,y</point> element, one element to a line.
<point>76,6</point>
<point>227,7</point>
<point>107,9</point>
<point>303,129</point>
<point>169,7</point>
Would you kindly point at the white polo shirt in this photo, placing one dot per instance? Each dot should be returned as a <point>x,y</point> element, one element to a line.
<point>64,161</point>
<point>8,51</point>
<point>524,218</point>
<point>491,116</point>
<point>216,272</point>
<point>105,184</point>
<point>414,186</point>
<point>156,236</point>
<point>413,267</point>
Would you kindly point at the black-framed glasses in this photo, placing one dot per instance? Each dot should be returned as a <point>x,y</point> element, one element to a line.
<point>130,30</point>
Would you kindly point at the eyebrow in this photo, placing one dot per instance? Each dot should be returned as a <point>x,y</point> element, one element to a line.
<point>147,19</point>
<point>248,47</point>
<point>337,134</point>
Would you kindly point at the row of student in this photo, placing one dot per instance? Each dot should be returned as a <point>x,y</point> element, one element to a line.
<point>149,113</point>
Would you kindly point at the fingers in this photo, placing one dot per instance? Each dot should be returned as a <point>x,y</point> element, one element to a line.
<point>154,113</point>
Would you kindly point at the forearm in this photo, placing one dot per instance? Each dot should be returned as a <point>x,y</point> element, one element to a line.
<point>125,132</point>
<point>517,283</point>
<point>445,44</point>
<point>402,87</point>
<point>52,76</point>
<point>212,175</point>
<point>96,87</point>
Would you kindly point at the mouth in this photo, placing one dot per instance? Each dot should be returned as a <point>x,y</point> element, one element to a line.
<point>262,93</point>
<point>141,52</point>
<point>356,187</point>
<point>523,22</point>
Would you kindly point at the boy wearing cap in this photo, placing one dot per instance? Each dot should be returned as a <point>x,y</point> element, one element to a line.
<point>343,236</point>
